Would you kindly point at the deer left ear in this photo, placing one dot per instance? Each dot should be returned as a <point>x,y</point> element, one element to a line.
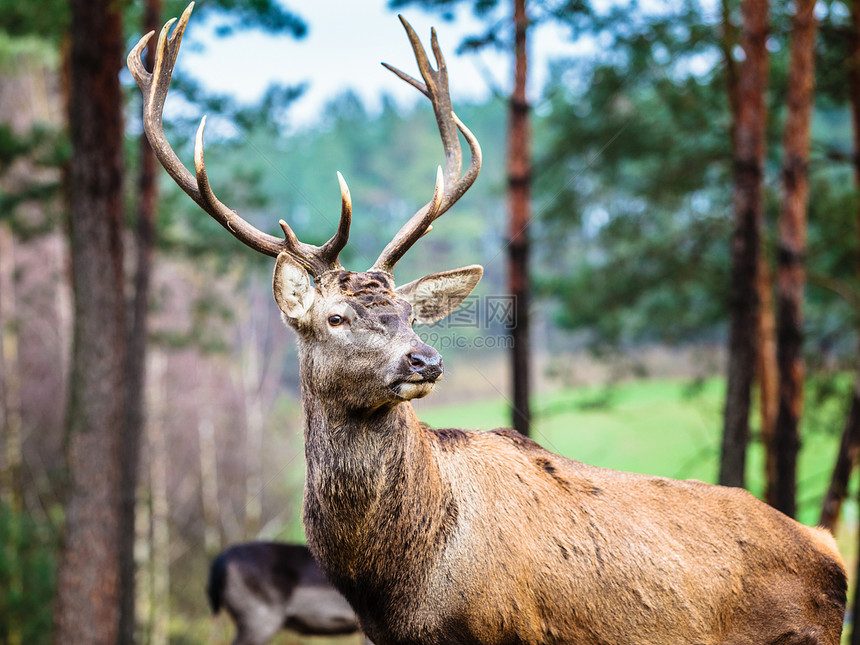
<point>436,295</point>
<point>292,287</point>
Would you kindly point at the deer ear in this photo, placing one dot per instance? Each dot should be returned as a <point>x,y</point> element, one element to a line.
<point>292,287</point>
<point>436,295</point>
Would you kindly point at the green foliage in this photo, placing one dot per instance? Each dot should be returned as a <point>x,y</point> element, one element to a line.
<point>46,19</point>
<point>496,18</point>
<point>28,553</point>
<point>30,157</point>
<point>268,15</point>
<point>230,16</point>
<point>636,181</point>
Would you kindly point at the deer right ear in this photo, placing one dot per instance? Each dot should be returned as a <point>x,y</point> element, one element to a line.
<point>436,295</point>
<point>292,287</point>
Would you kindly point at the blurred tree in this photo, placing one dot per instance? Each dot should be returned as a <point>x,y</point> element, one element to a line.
<point>749,156</point>
<point>849,447</point>
<point>132,429</point>
<point>29,153</point>
<point>792,249</point>
<point>766,370</point>
<point>87,607</point>
<point>519,218</point>
<point>637,158</point>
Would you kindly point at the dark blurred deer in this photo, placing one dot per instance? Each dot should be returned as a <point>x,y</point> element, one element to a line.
<point>454,536</point>
<point>269,586</point>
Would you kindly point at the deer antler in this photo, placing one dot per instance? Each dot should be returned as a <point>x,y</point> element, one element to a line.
<point>450,186</point>
<point>154,86</point>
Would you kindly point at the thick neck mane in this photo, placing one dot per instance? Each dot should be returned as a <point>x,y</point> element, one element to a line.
<point>374,502</point>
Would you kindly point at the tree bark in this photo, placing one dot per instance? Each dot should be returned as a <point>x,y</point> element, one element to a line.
<point>87,606</point>
<point>766,365</point>
<point>768,374</point>
<point>849,451</point>
<point>519,200</point>
<point>136,365</point>
<point>849,446</point>
<point>792,249</point>
<point>749,147</point>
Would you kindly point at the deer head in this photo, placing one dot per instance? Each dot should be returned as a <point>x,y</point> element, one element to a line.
<point>356,327</point>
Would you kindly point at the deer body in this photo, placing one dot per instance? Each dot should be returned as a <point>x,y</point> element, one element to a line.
<point>485,538</point>
<point>448,536</point>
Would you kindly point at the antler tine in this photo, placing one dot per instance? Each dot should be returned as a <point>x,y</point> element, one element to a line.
<point>155,87</point>
<point>335,245</point>
<point>434,87</point>
<point>242,230</point>
<point>418,226</point>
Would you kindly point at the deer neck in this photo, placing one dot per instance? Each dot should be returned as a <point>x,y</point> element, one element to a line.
<point>371,479</point>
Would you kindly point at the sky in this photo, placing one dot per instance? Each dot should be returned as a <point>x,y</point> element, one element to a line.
<point>345,44</point>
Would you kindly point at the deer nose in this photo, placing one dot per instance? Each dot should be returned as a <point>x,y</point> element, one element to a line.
<point>426,362</point>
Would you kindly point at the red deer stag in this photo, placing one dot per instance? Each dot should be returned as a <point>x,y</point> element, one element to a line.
<point>270,586</point>
<point>454,536</point>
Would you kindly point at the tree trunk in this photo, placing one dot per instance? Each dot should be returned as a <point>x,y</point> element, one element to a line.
<point>768,374</point>
<point>792,248</point>
<point>749,146</point>
<point>87,606</point>
<point>766,366</point>
<point>519,199</point>
<point>136,366</point>
<point>849,447</point>
<point>849,451</point>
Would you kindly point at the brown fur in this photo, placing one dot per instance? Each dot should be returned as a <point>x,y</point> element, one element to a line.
<point>452,536</point>
<point>370,289</point>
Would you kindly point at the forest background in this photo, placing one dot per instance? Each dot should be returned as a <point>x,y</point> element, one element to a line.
<point>635,169</point>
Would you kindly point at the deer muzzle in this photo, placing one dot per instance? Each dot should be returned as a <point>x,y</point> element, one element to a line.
<point>425,363</point>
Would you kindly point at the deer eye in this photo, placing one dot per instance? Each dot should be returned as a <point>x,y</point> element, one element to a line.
<point>335,320</point>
